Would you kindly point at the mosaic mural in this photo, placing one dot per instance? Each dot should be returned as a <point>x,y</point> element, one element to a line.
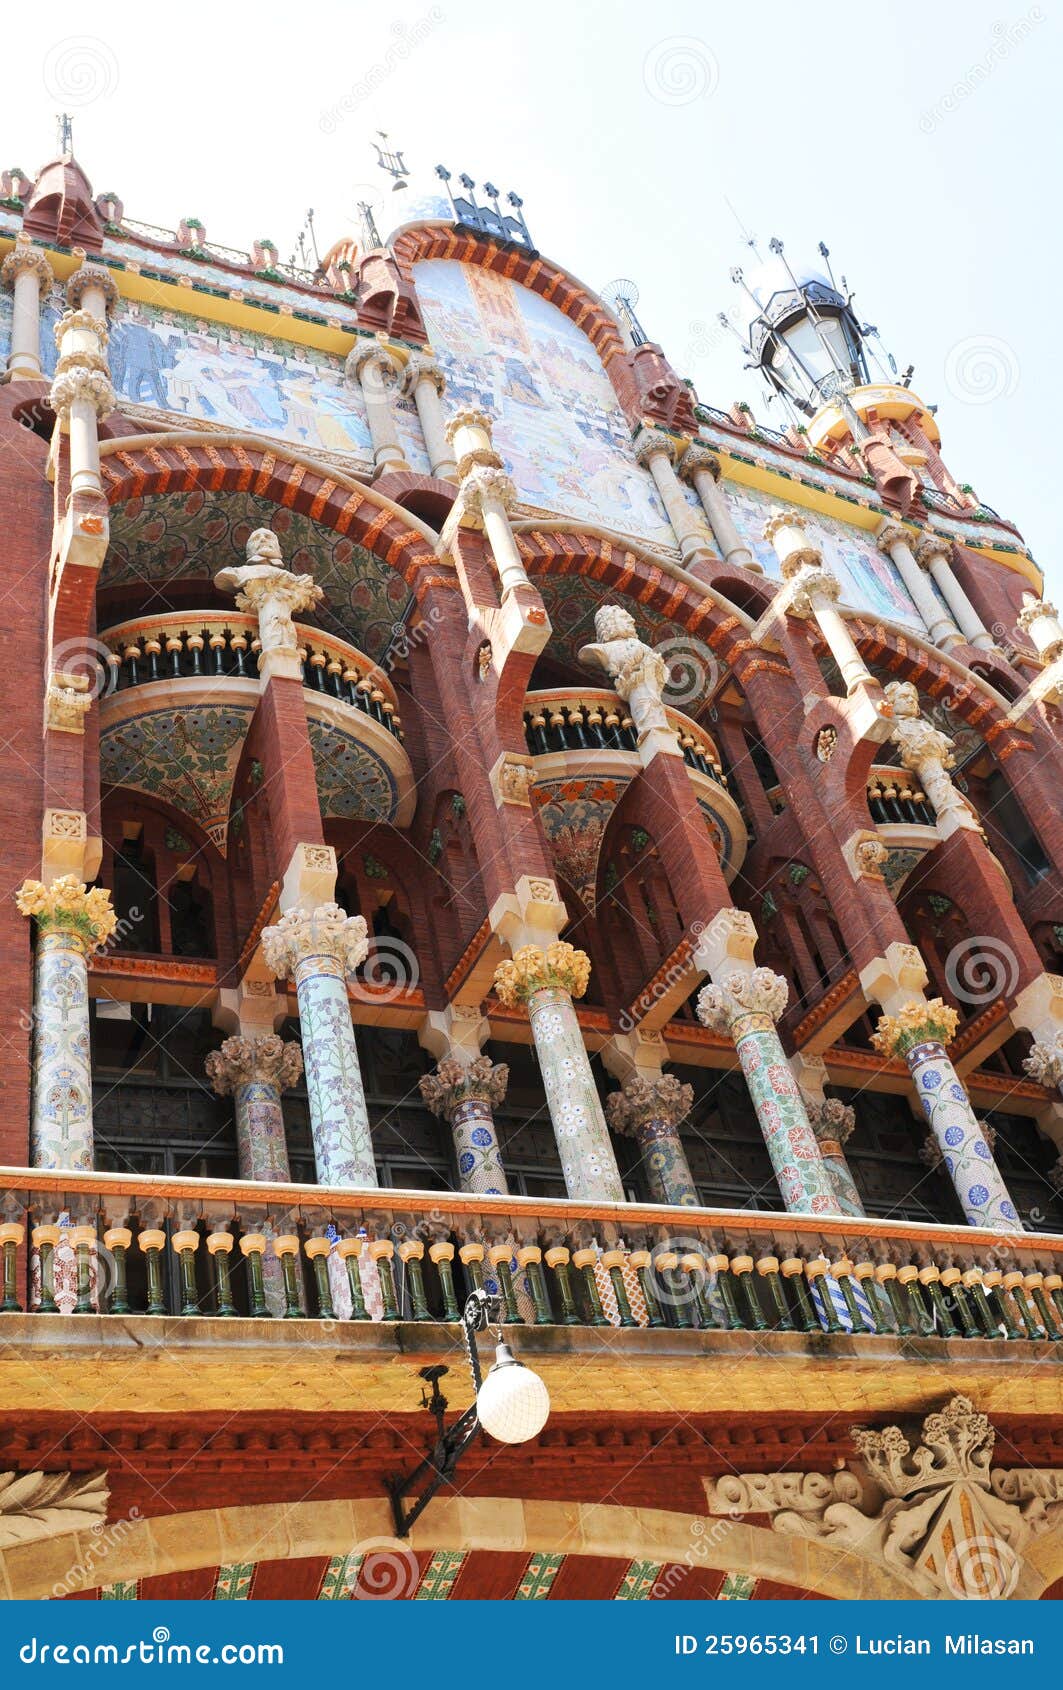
<point>7,306</point>
<point>197,533</point>
<point>186,755</point>
<point>352,782</point>
<point>575,814</point>
<point>558,425</point>
<point>869,581</point>
<point>237,378</point>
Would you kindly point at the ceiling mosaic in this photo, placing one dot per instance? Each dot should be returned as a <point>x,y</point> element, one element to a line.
<point>192,535</point>
<point>353,783</point>
<point>185,754</point>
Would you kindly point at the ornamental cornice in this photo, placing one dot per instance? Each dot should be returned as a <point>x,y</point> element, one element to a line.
<point>92,276</point>
<point>84,385</point>
<point>454,1083</point>
<point>759,992</point>
<point>68,906</point>
<point>23,259</point>
<point>560,967</point>
<point>931,1021</point>
<point>665,1099</point>
<point>326,931</point>
<point>264,1060</point>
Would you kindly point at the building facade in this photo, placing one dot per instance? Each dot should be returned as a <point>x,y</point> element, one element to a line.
<point>479,817</point>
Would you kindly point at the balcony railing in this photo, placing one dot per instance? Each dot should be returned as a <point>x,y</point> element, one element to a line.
<point>205,645</point>
<point>394,1255</point>
<point>596,720</point>
<point>894,796</point>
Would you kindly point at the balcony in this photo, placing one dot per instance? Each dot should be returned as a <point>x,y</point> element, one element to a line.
<point>586,753</point>
<point>181,695</point>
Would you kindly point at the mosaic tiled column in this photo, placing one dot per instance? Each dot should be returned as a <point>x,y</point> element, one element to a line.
<point>650,1110</point>
<point>919,1033</point>
<point>544,982</point>
<point>320,948</point>
<point>466,1095</point>
<point>832,1122</point>
<point>254,1072</point>
<point>71,923</point>
<point>747,1005</point>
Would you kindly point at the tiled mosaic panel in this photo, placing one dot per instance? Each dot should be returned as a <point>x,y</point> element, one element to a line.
<point>438,1578</point>
<point>539,1575</point>
<point>476,1148</point>
<point>185,754</point>
<point>353,783</point>
<point>260,1139</point>
<point>194,534</point>
<point>558,425</point>
<point>799,1169</point>
<point>62,1077</point>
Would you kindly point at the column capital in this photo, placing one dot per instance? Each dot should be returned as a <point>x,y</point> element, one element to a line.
<point>1032,609</point>
<point>558,967</point>
<point>420,367</point>
<point>263,1060</point>
<point>67,906</point>
<point>651,443</point>
<point>929,547</point>
<point>831,1120</point>
<point>454,1083</point>
<point>79,383</point>
<point>67,702</point>
<point>366,354</point>
<point>786,532</point>
<point>640,1100</point>
<point>469,416</point>
<point>697,458</point>
<point>1045,1062</point>
<point>809,585</point>
<point>925,1021</point>
<point>759,992</point>
<point>486,484</point>
<point>92,276</point>
<point>26,257</point>
<point>324,932</point>
<point>890,533</point>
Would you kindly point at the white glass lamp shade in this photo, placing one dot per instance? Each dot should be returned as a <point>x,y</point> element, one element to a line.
<point>513,1404</point>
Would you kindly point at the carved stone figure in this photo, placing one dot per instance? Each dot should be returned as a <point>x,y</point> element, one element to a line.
<point>264,588</point>
<point>638,673</point>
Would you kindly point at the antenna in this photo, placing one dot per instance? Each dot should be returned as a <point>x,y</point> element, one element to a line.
<point>65,125</point>
<point>622,296</point>
<point>392,162</point>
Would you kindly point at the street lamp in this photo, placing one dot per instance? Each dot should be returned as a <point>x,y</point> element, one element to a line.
<point>512,1405</point>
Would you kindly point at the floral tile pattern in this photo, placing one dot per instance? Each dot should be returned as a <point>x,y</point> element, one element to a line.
<point>352,781</point>
<point>184,754</point>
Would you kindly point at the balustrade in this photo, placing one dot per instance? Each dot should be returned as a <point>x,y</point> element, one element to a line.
<point>205,646</point>
<point>893,795</point>
<point>596,720</point>
<point>415,1256</point>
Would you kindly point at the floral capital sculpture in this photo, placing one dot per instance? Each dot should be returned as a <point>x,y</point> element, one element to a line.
<point>917,1023</point>
<point>560,967</point>
<point>454,1083</point>
<point>831,1120</point>
<point>664,1099</point>
<point>326,931</point>
<point>760,992</point>
<point>1045,1063</point>
<point>265,1060</point>
<point>67,906</point>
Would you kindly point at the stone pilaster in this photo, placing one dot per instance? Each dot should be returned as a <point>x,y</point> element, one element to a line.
<point>26,271</point>
<point>377,373</point>
<point>918,1033</point>
<point>254,1072</point>
<point>424,380</point>
<point>544,981</point>
<point>657,452</point>
<point>650,1110</point>
<point>72,923</point>
<point>465,1095</point>
<point>320,948</point>
<point>745,1002</point>
<point>701,468</point>
<point>934,554</point>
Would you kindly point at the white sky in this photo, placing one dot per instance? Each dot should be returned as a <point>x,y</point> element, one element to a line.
<point>919,139</point>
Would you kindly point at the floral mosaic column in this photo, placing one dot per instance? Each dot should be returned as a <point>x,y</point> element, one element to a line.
<point>650,1110</point>
<point>71,923</point>
<point>320,948</point>
<point>746,1005</point>
<point>254,1072</point>
<point>465,1095</point>
<point>832,1122</point>
<point>919,1033</point>
<point>544,982</point>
